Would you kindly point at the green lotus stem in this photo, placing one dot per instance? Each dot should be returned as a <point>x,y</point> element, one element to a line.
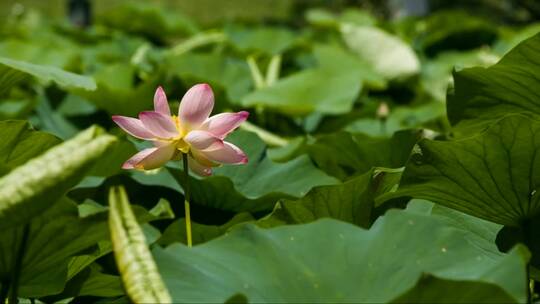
<point>140,53</point>
<point>272,72</point>
<point>197,41</point>
<point>256,74</point>
<point>268,137</point>
<point>16,274</point>
<point>187,197</point>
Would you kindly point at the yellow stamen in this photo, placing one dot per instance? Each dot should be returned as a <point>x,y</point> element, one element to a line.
<point>182,146</point>
<point>178,141</point>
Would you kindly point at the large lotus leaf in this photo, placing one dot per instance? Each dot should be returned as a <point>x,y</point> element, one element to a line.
<point>16,107</point>
<point>528,234</point>
<point>54,236</point>
<point>511,37</point>
<point>493,175</point>
<point>333,57</point>
<point>480,232</point>
<point>436,74</point>
<point>227,73</point>
<point>331,88</point>
<point>401,117</point>
<point>51,121</point>
<point>352,201</point>
<point>236,11</point>
<point>56,240</point>
<point>347,202</point>
<point>510,86</point>
<point>387,54</point>
<point>13,72</point>
<point>331,261</point>
<point>73,106</point>
<point>92,282</point>
<point>344,154</point>
<point>48,50</point>
<point>308,91</point>
<point>176,232</point>
<point>257,185</point>
<point>149,20</point>
<point>266,40</point>
<point>120,48</point>
<point>21,143</point>
<point>441,32</point>
<point>324,18</point>
<point>160,177</point>
<point>77,270</point>
<point>430,289</point>
<point>117,93</point>
<point>31,188</point>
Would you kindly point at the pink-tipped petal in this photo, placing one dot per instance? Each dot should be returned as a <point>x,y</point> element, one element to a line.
<point>133,127</point>
<point>157,158</point>
<point>229,154</point>
<point>150,158</point>
<point>196,105</point>
<point>159,143</point>
<point>160,125</point>
<point>202,159</point>
<point>222,124</point>
<point>202,140</point>
<point>161,105</point>
<point>199,168</point>
<point>137,158</point>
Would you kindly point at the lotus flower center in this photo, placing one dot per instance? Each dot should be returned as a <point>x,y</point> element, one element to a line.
<point>179,141</point>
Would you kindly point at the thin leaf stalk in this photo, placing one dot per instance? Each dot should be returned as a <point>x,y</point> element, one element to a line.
<point>268,137</point>
<point>273,70</point>
<point>187,198</point>
<point>256,75</point>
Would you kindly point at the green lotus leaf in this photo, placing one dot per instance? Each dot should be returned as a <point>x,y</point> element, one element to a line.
<point>257,185</point>
<point>493,175</point>
<point>482,96</point>
<point>331,261</point>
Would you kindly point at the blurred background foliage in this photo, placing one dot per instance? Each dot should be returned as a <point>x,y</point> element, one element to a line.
<point>128,46</point>
<point>305,69</point>
<point>339,93</point>
<point>313,74</point>
<point>210,12</point>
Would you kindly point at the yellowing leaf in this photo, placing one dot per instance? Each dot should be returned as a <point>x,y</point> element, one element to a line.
<point>139,273</point>
<point>388,54</point>
<point>31,188</point>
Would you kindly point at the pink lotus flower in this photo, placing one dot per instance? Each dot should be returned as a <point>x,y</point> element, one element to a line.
<point>191,132</point>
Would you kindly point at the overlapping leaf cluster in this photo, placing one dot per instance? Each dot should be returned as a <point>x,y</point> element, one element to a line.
<point>435,200</point>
